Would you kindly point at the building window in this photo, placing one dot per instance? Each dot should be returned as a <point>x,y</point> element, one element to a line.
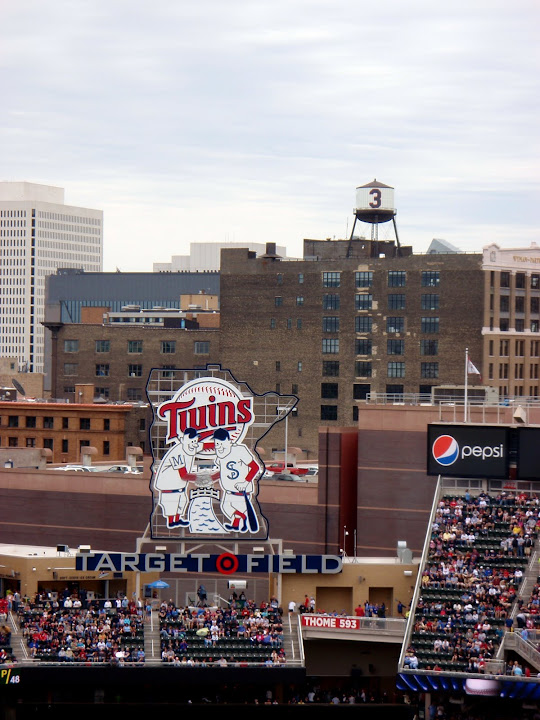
<point>30,442</point>
<point>279,278</point>
<point>430,302</point>
<point>396,369</point>
<point>71,346</point>
<point>363,324</point>
<point>430,324</point>
<point>69,389</point>
<point>65,423</point>
<point>103,392</point>
<point>429,347</point>
<point>142,424</point>
<point>505,279</point>
<point>48,422</point>
<point>362,368</point>
<point>328,412</point>
<point>168,347</point>
<point>396,302</point>
<point>71,368</point>
<point>396,390</point>
<point>429,369</point>
<point>48,443</point>
<point>13,421</point>
<point>504,325</point>
<point>30,421</point>
<point>329,391</point>
<point>363,302</point>
<point>106,447</point>
<point>330,324</point>
<point>134,370</point>
<point>331,279</point>
<point>520,324</point>
<point>504,303</point>
<point>360,392</point>
<point>397,278</point>
<point>102,370</point>
<point>300,278</point>
<point>134,394</point>
<point>395,324</point>
<point>65,445</point>
<point>13,442</point>
<point>272,323</point>
<point>83,444</point>
<point>299,366</point>
<point>355,413</point>
<point>520,304</point>
<point>278,301</point>
<point>103,346</point>
<point>106,424</point>
<point>135,346</point>
<point>363,279</point>
<point>84,423</point>
<point>535,348</point>
<point>299,300</point>
<point>430,278</point>
<point>363,346</point>
<point>330,368</point>
<point>520,280</point>
<point>202,347</point>
<point>330,346</point>
<point>395,347</point>
<point>535,305</point>
<point>278,365</point>
<point>289,323</point>
<point>535,281</point>
<point>534,325</point>
<point>299,323</point>
<point>330,302</point>
<point>294,389</point>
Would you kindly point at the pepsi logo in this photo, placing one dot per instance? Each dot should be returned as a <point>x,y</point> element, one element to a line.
<point>445,450</point>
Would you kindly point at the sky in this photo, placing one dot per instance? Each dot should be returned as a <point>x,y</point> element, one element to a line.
<point>256,120</point>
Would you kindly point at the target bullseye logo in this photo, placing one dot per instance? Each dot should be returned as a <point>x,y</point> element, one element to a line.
<point>445,450</point>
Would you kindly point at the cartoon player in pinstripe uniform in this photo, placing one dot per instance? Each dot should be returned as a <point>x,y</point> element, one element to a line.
<point>174,474</point>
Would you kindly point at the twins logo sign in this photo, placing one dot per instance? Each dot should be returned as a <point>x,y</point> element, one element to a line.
<point>206,483</point>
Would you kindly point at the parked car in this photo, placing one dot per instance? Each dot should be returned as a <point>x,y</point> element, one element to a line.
<point>279,467</point>
<point>125,469</point>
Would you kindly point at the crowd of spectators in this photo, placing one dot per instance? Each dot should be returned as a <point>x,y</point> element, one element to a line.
<point>241,632</point>
<point>478,549</point>
<point>62,630</point>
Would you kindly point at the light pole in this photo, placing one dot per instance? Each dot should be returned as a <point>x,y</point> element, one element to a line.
<point>345,533</point>
<point>285,409</point>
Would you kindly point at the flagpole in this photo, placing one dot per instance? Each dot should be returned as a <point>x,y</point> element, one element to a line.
<point>466,381</point>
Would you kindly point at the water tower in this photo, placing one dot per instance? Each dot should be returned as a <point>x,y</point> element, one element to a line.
<point>375,205</point>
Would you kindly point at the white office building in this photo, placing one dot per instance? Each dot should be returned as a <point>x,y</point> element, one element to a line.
<point>206,256</point>
<point>38,234</point>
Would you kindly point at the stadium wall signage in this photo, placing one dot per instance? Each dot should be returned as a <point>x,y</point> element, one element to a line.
<point>225,563</point>
<point>467,451</point>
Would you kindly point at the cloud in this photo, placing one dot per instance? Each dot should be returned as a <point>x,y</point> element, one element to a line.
<point>257,120</point>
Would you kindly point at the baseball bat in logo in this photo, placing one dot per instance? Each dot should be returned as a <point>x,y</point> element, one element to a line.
<point>445,450</point>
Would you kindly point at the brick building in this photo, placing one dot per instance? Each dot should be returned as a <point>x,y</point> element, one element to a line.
<point>65,428</point>
<point>346,322</point>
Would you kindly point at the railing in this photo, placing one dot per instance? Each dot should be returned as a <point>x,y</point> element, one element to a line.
<point>418,586</point>
<point>514,641</point>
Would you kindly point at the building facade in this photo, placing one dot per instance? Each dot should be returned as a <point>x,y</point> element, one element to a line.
<point>345,324</point>
<point>511,328</point>
<point>38,234</point>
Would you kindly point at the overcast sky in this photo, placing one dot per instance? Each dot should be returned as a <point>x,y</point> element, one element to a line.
<point>257,119</point>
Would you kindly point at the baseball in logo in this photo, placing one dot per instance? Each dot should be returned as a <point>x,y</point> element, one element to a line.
<point>445,450</point>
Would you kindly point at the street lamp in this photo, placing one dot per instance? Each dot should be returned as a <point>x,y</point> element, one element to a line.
<point>345,533</point>
<point>285,410</point>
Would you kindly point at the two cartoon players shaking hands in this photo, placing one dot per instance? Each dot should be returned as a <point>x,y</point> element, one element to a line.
<point>235,467</point>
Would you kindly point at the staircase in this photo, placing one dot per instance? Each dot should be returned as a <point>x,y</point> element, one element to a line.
<point>152,642</point>
<point>291,640</point>
<point>18,641</point>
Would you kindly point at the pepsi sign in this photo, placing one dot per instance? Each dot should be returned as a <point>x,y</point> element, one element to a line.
<point>467,451</point>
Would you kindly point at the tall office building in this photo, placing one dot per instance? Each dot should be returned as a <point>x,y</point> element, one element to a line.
<point>38,234</point>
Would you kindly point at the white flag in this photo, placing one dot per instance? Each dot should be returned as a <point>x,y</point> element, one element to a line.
<point>472,369</point>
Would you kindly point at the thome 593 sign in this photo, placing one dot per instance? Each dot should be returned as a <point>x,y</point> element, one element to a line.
<point>206,469</point>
